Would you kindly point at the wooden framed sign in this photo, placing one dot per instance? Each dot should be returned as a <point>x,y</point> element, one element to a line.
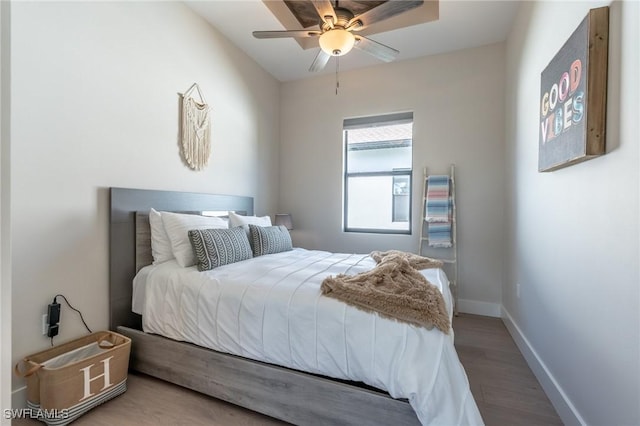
<point>573,96</point>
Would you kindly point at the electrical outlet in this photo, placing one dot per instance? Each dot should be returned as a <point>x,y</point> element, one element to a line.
<point>45,324</point>
<point>518,290</point>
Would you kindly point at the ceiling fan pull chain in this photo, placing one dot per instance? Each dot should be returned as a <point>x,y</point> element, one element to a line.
<point>337,71</point>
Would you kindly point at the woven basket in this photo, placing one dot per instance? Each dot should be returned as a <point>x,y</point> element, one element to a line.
<point>68,380</point>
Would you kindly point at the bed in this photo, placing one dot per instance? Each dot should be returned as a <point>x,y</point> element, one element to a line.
<point>318,373</point>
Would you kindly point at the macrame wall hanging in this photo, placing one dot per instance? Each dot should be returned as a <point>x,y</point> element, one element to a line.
<point>196,139</point>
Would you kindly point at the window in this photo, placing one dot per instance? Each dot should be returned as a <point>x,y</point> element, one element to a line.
<point>377,173</point>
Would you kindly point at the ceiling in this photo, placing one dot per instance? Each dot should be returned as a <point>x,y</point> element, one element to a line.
<point>461,25</point>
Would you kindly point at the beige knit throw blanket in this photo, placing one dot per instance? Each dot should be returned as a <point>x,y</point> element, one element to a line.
<point>394,289</point>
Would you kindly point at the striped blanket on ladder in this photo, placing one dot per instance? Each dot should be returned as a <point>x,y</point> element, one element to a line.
<point>438,212</point>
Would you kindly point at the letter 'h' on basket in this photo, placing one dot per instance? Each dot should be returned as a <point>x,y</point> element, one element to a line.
<point>68,380</point>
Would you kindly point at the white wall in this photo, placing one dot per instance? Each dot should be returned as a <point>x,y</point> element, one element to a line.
<point>5,202</point>
<point>95,104</point>
<point>457,101</point>
<point>572,239</point>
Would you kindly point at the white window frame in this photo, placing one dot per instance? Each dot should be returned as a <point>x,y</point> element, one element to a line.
<point>361,122</point>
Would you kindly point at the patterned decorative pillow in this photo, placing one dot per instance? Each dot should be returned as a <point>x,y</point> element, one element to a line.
<point>217,247</point>
<point>269,239</point>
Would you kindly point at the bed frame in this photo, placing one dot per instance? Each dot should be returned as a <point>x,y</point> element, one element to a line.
<point>286,394</point>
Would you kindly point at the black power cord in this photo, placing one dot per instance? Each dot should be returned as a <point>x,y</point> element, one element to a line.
<point>55,302</point>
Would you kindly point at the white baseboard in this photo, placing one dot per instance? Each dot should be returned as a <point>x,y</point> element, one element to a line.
<point>19,398</point>
<point>566,410</point>
<point>475,307</point>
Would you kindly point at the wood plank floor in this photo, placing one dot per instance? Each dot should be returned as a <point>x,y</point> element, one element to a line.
<point>504,387</point>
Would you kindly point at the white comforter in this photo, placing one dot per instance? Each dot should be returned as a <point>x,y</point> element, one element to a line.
<point>270,309</point>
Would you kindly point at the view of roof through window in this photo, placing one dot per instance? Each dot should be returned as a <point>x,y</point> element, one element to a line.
<point>386,136</point>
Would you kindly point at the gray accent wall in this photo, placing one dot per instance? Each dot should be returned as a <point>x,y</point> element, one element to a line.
<point>571,288</point>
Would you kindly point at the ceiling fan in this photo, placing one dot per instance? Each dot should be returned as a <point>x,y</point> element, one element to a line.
<point>338,32</point>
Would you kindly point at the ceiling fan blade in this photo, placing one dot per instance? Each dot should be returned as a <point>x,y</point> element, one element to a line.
<point>384,11</point>
<point>325,11</point>
<point>379,50</point>
<point>285,34</point>
<point>320,61</point>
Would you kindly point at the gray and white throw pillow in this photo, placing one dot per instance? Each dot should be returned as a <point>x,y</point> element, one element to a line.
<point>216,247</point>
<point>269,239</point>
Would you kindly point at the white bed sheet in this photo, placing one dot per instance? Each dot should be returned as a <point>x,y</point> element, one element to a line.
<point>270,309</point>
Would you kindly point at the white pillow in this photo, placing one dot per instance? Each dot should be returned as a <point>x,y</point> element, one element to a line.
<point>160,243</point>
<point>244,221</point>
<point>177,227</point>
<point>225,219</point>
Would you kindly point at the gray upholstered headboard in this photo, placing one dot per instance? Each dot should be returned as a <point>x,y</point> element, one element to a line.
<point>126,205</point>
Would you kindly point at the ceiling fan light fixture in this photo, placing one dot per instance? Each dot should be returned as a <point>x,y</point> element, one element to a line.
<point>337,42</point>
